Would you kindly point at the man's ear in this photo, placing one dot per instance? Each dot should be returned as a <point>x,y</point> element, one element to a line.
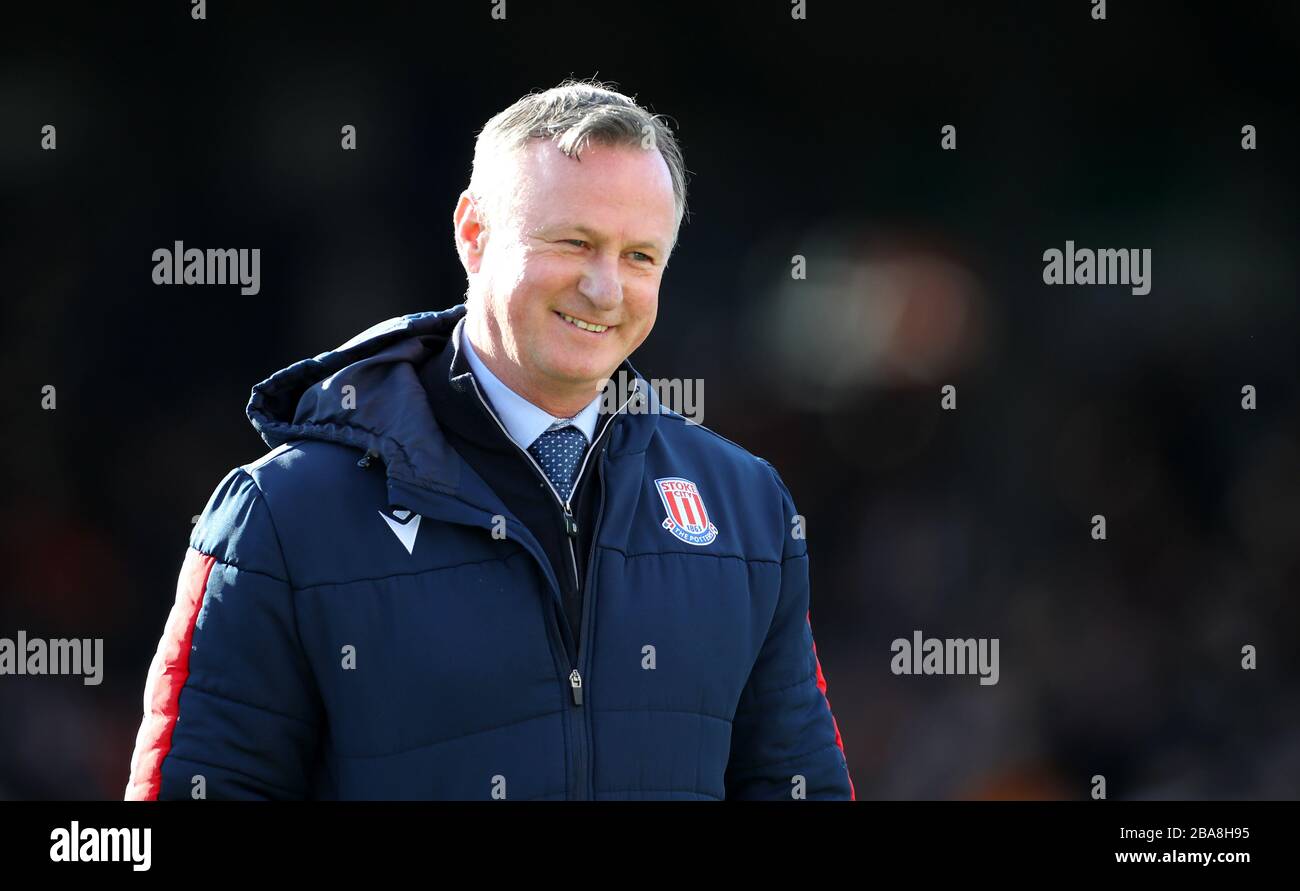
<point>470,230</point>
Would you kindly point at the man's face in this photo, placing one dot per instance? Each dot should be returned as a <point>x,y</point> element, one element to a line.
<point>586,239</point>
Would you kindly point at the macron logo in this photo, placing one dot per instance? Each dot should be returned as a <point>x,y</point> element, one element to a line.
<point>405,526</point>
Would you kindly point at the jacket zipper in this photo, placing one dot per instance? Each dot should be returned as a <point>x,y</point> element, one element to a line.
<point>571,533</point>
<point>588,605</point>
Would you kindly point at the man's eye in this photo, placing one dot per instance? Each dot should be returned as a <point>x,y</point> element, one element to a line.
<point>640,256</point>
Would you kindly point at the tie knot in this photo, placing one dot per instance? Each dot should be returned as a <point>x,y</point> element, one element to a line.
<point>559,451</point>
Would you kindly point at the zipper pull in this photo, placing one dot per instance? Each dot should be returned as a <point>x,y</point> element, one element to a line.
<point>575,681</point>
<point>570,524</point>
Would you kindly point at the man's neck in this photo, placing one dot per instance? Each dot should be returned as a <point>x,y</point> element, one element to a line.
<point>559,405</point>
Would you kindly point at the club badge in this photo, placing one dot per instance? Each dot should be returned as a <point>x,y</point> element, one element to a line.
<point>687,519</point>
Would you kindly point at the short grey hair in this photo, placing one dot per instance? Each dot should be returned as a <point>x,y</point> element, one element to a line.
<point>573,115</point>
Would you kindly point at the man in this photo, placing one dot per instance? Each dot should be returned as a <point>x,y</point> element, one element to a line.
<point>461,574</point>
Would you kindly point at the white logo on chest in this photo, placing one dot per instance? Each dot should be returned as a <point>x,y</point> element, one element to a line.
<point>405,526</point>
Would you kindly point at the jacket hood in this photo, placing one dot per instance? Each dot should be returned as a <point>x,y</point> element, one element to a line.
<point>387,411</point>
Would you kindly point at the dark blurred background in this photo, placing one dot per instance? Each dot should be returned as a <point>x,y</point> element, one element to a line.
<point>817,137</point>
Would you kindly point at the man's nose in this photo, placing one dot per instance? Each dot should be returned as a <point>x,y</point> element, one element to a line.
<point>600,282</point>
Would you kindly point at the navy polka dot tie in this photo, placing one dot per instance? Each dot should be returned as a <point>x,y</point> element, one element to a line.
<point>559,451</point>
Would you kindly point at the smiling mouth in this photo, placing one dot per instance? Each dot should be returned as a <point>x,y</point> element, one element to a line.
<point>583,325</point>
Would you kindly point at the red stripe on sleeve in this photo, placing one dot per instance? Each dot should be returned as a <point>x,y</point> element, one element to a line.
<point>821,685</point>
<point>167,675</point>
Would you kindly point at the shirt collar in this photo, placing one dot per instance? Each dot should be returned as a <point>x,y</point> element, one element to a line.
<point>523,420</point>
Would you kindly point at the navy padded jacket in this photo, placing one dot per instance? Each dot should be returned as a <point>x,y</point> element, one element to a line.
<point>311,654</point>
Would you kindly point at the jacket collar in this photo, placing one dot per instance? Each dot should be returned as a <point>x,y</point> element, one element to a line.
<point>367,394</point>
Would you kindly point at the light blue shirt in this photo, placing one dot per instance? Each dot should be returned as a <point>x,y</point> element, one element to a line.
<point>523,420</point>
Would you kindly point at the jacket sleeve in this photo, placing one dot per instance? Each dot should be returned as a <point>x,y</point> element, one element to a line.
<point>784,729</point>
<point>231,709</point>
